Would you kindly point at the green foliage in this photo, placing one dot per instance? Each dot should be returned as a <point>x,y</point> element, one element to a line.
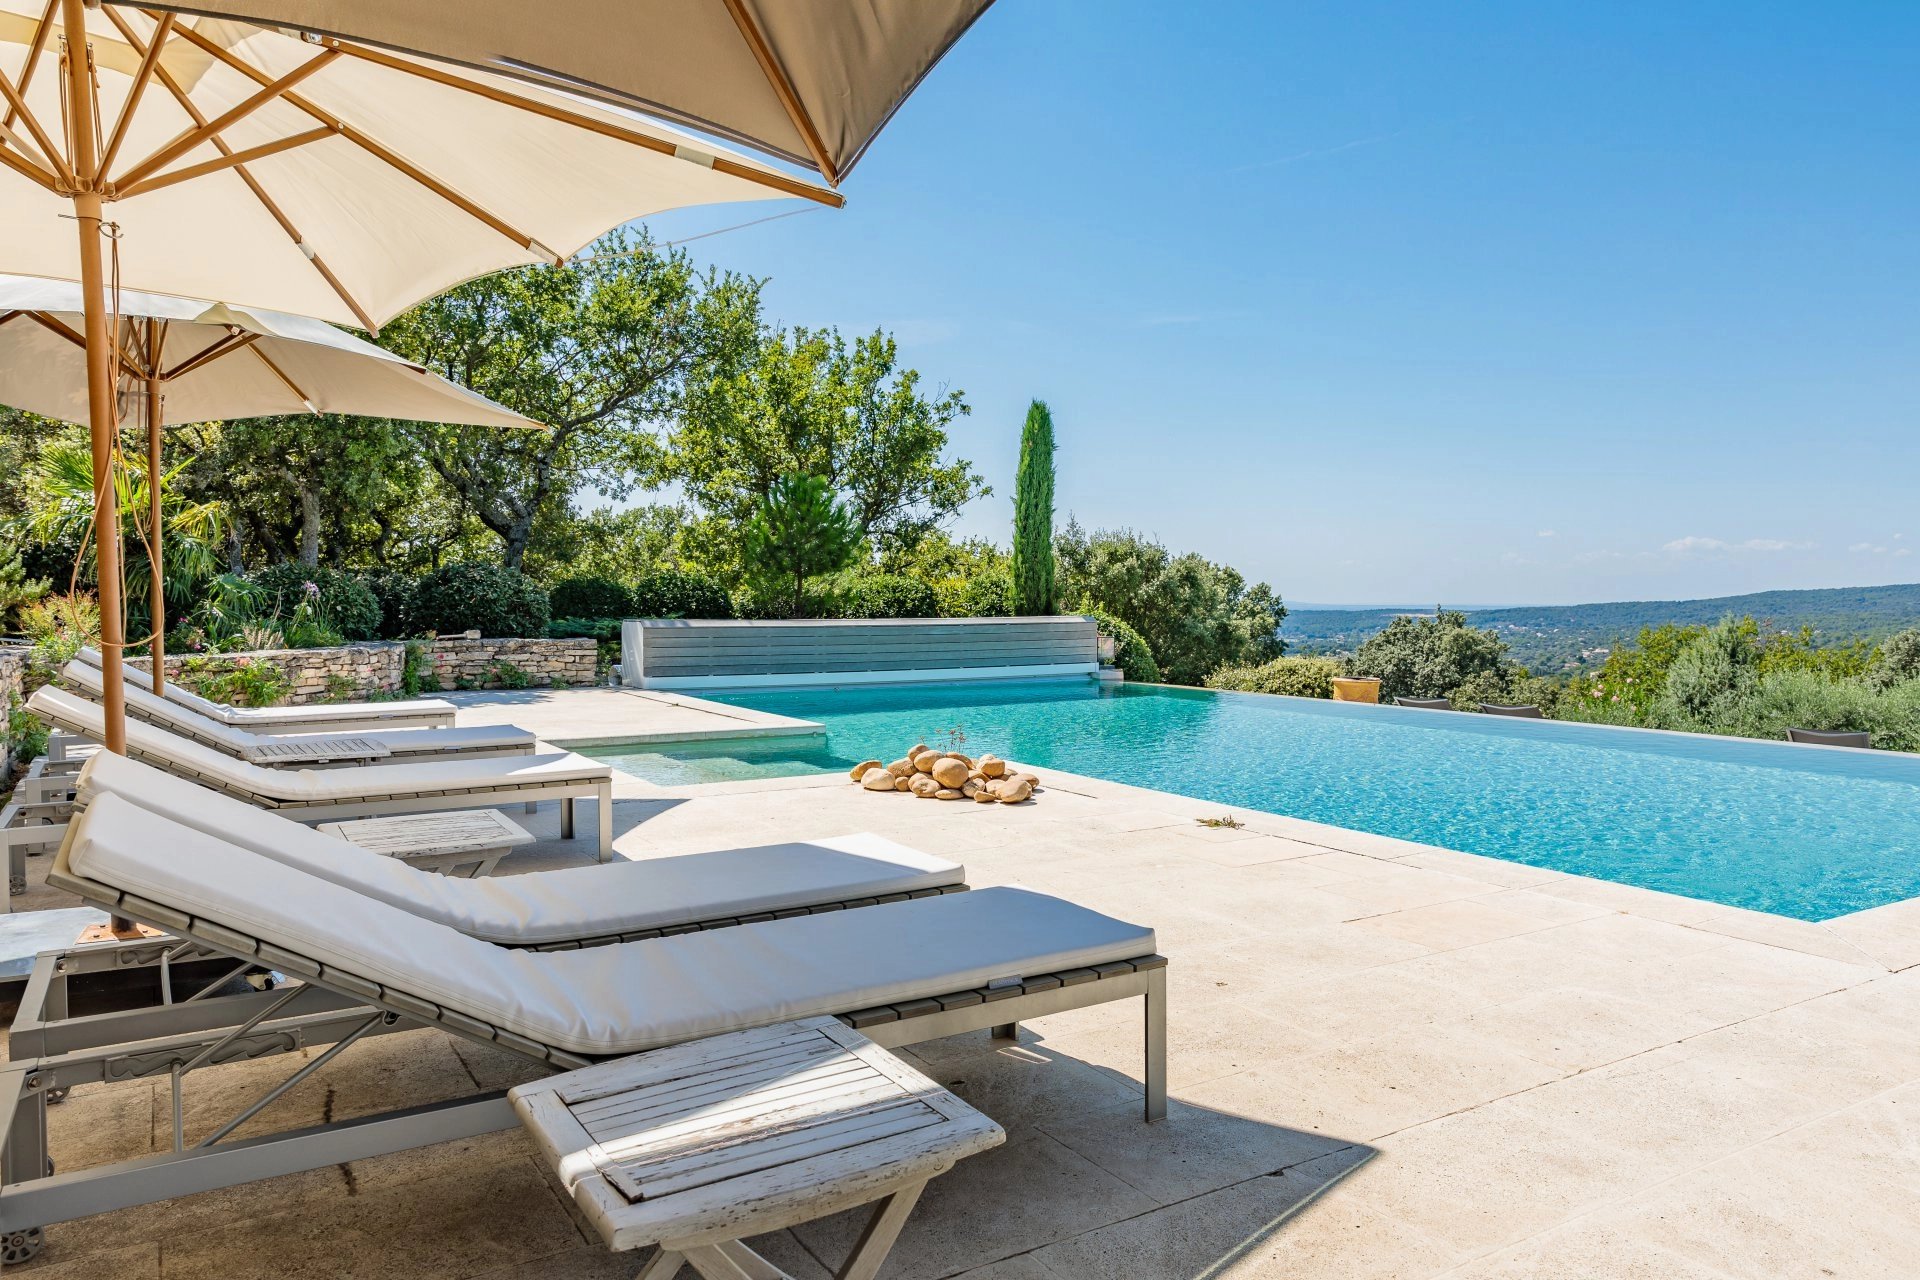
<point>61,515</point>
<point>1432,657</point>
<point>800,531</point>
<point>680,593</point>
<point>600,350</point>
<point>807,402</point>
<point>617,544</point>
<point>1808,700</point>
<point>1033,575</point>
<point>1196,616</point>
<point>335,600</point>
<point>507,675</point>
<point>1898,660</point>
<point>884,595</point>
<point>590,598</point>
<point>1634,676</point>
<point>1295,677</point>
<point>476,596</point>
<point>240,682</point>
<point>17,590</point>
<point>59,626</point>
<point>26,733</point>
<point>1131,653</point>
<point>985,595</point>
<point>416,671</point>
<point>398,595</point>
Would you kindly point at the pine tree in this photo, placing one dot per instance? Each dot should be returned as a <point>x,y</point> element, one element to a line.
<point>800,530</point>
<point>1033,590</point>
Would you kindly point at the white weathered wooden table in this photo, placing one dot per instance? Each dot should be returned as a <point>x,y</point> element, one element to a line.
<point>472,838</point>
<point>305,749</point>
<point>697,1147</point>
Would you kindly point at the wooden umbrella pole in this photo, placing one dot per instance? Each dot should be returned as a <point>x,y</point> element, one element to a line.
<point>157,591</point>
<point>101,418</point>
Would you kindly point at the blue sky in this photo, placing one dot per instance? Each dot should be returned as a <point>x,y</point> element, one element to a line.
<point>1490,302</point>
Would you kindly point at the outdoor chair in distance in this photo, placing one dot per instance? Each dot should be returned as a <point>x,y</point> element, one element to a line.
<point>1822,738</point>
<point>1522,712</point>
<point>1424,704</point>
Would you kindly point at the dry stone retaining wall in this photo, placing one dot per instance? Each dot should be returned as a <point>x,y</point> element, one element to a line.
<point>13,672</point>
<point>355,672</point>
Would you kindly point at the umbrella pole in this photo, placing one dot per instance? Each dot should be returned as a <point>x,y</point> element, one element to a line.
<point>100,406</point>
<point>157,594</point>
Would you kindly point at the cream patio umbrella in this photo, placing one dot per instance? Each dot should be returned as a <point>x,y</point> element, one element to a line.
<point>181,360</point>
<point>211,158</point>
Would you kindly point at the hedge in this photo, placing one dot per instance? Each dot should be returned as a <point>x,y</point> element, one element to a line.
<point>473,596</point>
<point>889,595</point>
<point>1130,652</point>
<point>346,603</point>
<point>590,598</point>
<point>1295,677</point>
<point>678,593</point>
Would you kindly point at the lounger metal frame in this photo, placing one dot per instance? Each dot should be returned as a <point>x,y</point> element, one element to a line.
<point>565,792</point>
<point>52,1052</point>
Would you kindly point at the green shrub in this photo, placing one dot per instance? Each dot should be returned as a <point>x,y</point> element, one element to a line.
<point>240,682</point>
<point>59,626</point>
<point>1295,677</point>
<point>1898,659</point>
<point>679,593</point>
<point>473,596</point>
<point>1807,700</point>
<point>889,595</point>
<point>399,597</point>
<point>1432,657</point>
<point>507,675</point>
<point>417,675</point>
<point>987,595</point>
<point>1130,652</point>
<point>336,602</point>
<point>590,598</point>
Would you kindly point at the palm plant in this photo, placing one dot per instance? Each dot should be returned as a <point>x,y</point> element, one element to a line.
<point>62,515</point>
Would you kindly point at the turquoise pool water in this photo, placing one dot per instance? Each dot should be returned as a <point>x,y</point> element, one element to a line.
<point>1801,832</point>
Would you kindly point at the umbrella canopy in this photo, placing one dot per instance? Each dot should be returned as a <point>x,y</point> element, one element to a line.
<point>218,362</point>
<point>811,81</point>
<point>320,177</point>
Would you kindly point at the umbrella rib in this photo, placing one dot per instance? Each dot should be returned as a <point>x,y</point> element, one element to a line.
<point>720,164</point>
<point>22,164</point>
<point>291,385</point>
<point>253,184</point>
<point>34,51</point>
<point>192,138</point>
<point>51,154</point>
<point>228,160</point>
<point>366,143</point>
<point>55,325</point>
<point>207,355</point>
<point>148,61</point>
<point>783,89</point>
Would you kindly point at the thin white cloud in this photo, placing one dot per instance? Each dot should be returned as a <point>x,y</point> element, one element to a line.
<point>1876,549</point>
<point>1696,545</point>
<point>1546,533</point>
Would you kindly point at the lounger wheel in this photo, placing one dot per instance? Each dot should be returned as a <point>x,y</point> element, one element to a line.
<point>58,1093</point>
<point>17,1248</point>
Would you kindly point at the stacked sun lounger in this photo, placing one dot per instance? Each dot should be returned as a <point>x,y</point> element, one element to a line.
<point>422,713</point>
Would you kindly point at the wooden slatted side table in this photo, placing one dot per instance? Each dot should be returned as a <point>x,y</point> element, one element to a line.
<point>469,841</point>
<point>301,750</point>
<point>697,1147</point>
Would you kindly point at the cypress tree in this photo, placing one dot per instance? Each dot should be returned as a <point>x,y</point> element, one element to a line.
<point>1033,515</point>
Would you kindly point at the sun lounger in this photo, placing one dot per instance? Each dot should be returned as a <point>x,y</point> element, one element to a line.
<point>1424,704</point>
<point>283,750</point>
<point>570,907</point>
<point>413,713</point>
<point>901,974</point>
<point>313,794</point>
<point>1523,711</point>
<point>1831,738</point>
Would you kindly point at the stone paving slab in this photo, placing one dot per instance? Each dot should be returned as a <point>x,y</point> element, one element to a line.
<point>1387,1060</point>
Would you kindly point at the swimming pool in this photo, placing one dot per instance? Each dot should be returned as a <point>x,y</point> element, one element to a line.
<point>1798,831</point>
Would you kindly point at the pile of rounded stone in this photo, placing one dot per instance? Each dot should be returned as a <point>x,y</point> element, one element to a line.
<point>948,775</point>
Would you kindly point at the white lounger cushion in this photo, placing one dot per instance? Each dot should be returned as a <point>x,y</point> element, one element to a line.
<point>603,1001</point>
<point>544,906</point>
<point>244,716</point>
<point>324,786</point>
<point>183,719</point>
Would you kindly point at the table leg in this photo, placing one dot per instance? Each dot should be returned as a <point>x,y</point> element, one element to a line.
<point>732,1260</point>
<point>663,1265</point>
<point>883,1228</point>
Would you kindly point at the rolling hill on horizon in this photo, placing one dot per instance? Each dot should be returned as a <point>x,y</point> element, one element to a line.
<point>1550,639</point>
